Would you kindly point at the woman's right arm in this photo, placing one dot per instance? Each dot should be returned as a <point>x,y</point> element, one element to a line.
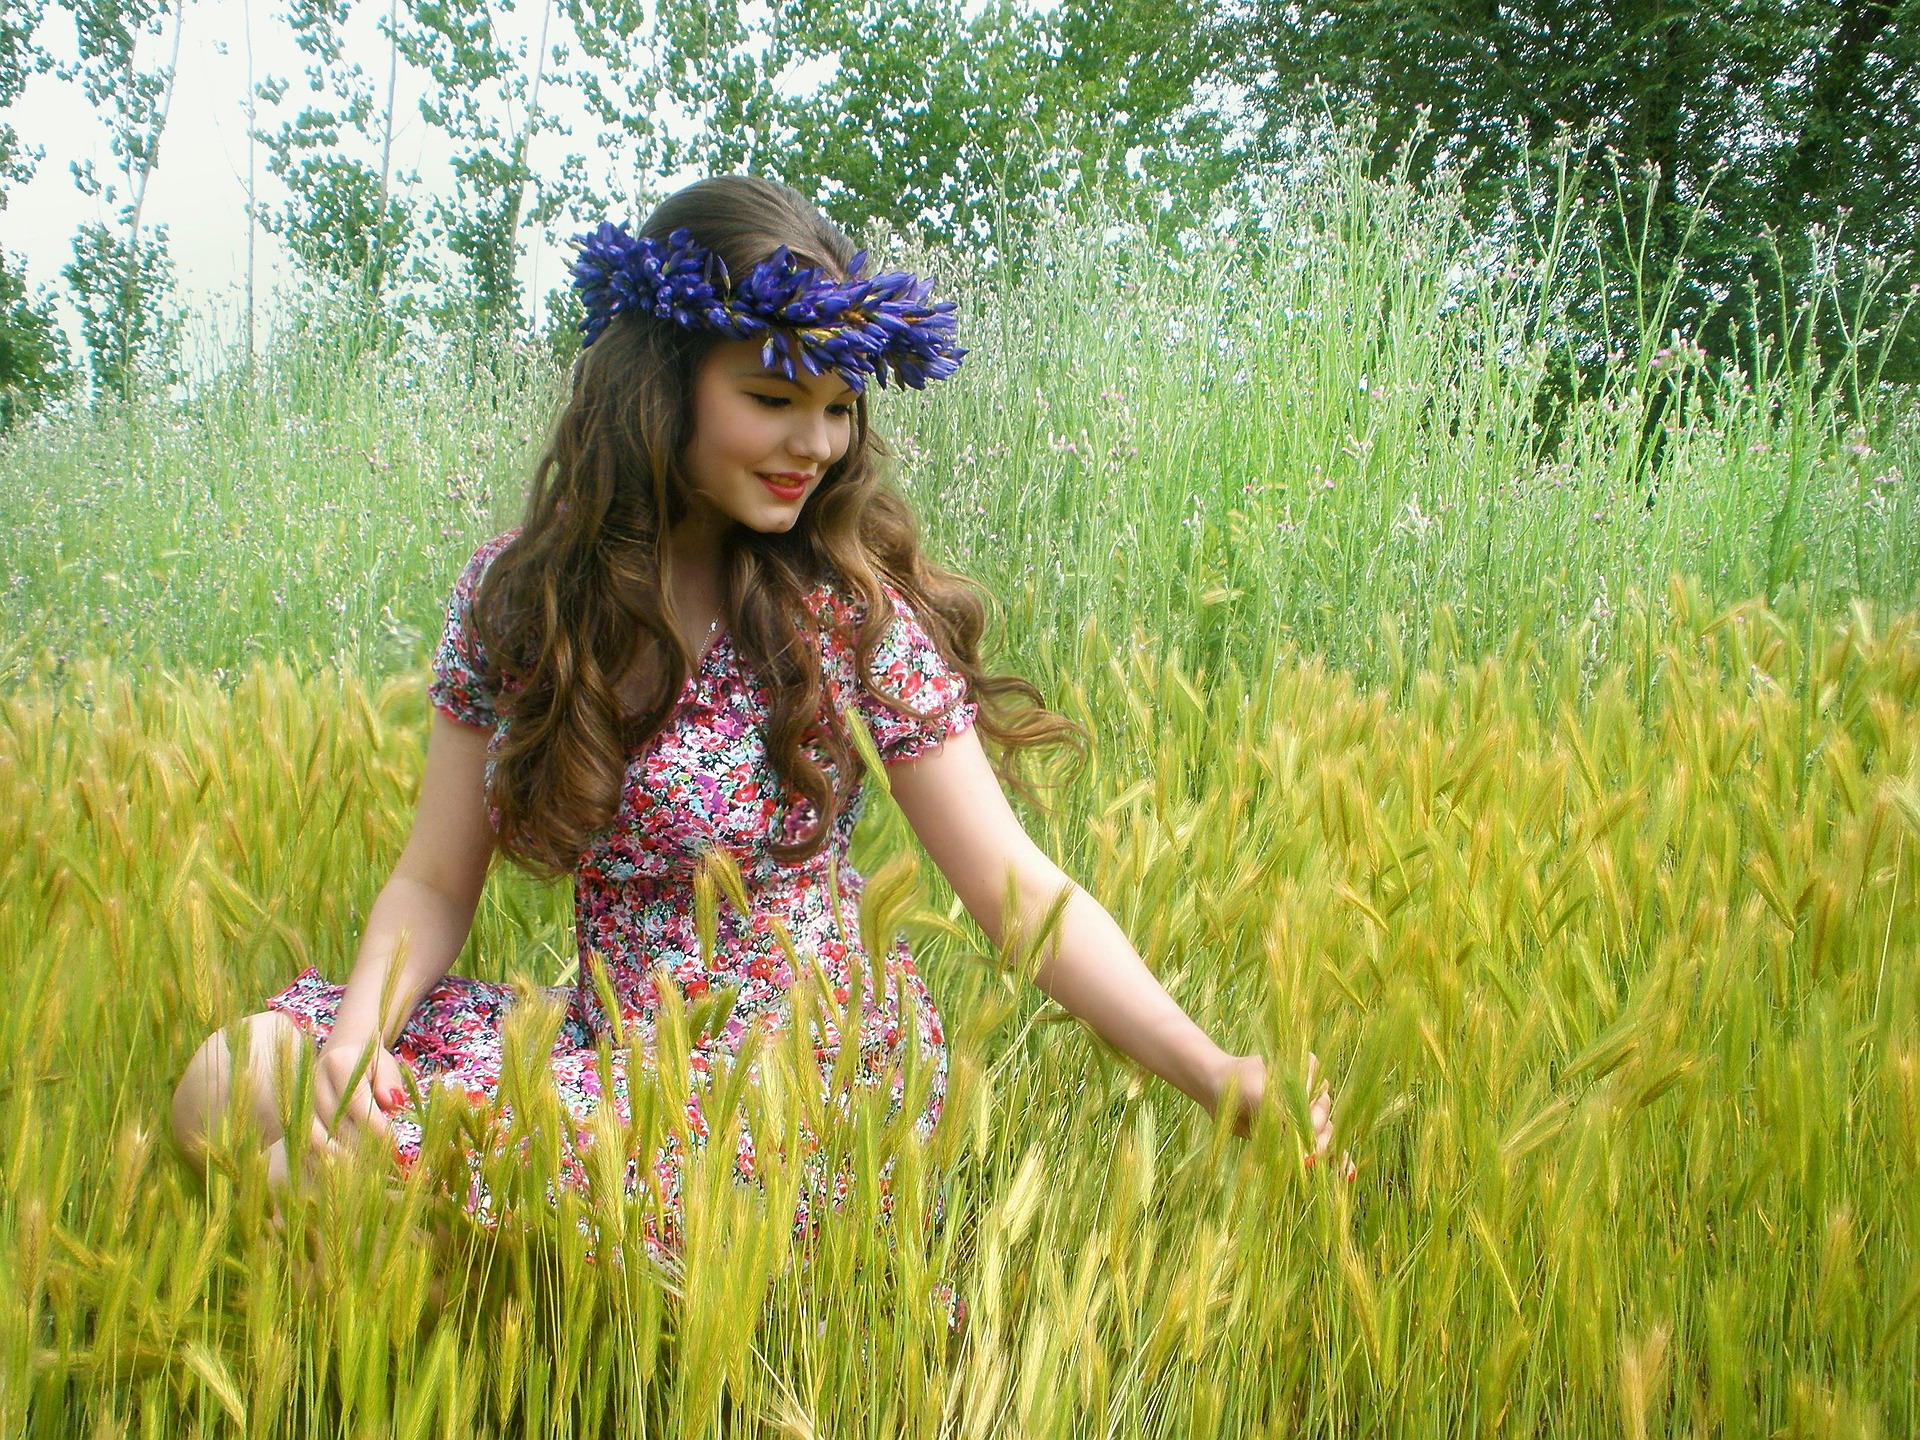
<point>430,900</point>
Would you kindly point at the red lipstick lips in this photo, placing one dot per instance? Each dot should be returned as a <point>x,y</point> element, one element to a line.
<point>787,487</point>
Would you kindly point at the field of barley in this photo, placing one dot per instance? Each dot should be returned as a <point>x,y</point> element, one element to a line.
<point>1565,801</point>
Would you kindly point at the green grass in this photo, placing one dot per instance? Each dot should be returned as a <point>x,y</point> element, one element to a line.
<point>1594,886</point>
<point>1283,434</point>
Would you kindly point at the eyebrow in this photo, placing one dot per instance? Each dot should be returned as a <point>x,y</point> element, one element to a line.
<point>755,372</point>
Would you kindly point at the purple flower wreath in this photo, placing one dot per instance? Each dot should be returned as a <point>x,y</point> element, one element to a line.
<point>885,326</point>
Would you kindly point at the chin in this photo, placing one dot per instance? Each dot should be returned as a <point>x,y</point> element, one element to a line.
<point>774,524</point>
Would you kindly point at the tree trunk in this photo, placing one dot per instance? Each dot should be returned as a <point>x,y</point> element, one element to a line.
<point>510,222</point>
<point>377,265</point>
<point>253,209</point>
<point>130,282</point>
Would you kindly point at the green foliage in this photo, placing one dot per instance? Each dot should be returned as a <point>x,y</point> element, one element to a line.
<point>1292,426</point>
<point>125,295</point>
<point>1742,176</point>
<point>1420,741</point>
<point>1612,972</point>
<point>21,57</point>
<point>328,486</point>
<point>616,64</point>
<point>486,100</point>
<point>34,368</point>
<point>561,336</point>
<point>123,284</point>
<point>346,217</point>
<point>1736,135</point>
<point>931,120</point>
<point>352,214</point>
<point>344,226</point>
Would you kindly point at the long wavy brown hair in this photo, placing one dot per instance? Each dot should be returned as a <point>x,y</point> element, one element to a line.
<point>577,602</point>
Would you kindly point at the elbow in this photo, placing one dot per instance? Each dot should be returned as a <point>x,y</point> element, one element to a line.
<point>1016,896</point>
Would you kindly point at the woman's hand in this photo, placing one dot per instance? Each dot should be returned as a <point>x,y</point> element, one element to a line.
<point>1250,1074</point>
<point>337,1110</point>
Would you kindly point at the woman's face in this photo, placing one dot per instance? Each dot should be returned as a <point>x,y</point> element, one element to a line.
<point>760,441</point>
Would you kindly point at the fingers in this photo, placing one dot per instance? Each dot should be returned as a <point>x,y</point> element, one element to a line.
<point>322,1145</point>
<point>361,1112</point>
<point>335,1119</point>
<point>379,1093</point>
<point>1320,1114</point>
<point>1251,1078</point>
<point>388,1083</point>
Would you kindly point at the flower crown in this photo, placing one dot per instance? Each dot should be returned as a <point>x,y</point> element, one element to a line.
<point>888,325</point>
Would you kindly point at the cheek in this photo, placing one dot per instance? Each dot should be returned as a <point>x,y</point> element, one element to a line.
<point>759,432</point>
<point>710,429</point>
<point>730,434</point>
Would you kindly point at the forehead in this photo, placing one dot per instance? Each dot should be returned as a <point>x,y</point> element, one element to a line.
<point>740,360</point>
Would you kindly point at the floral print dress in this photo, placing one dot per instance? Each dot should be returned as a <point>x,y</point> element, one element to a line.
<point>704,781</point>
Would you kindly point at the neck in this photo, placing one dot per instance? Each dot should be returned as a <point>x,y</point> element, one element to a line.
<point>695,543</point>
<point>695,547</point>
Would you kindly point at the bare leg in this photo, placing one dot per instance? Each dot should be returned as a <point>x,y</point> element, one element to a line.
<point>200,1100</point>
<point>277,1165</point>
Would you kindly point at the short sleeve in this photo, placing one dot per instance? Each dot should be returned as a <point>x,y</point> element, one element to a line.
<point>908,666</point>
<point>458,688</point>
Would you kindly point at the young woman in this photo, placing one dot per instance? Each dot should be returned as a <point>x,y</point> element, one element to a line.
<point>660,660</point>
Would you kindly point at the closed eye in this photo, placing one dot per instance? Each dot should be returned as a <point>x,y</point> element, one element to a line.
<point>839,411</point>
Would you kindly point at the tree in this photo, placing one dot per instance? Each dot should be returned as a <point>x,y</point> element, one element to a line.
<point>349,216</point>
<point>33,350</point>
<point>487,99</point>
<point>124,298</point>
<point>920,116</point>
<point>1726,133</point>
<point>21,57</point>
<point>34,365</point>
<point>343,219</point>
<point>253,191</point>
<point>617,79</point>
<point>129,329</point>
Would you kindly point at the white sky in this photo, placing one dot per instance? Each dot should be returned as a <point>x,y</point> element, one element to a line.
<point>198,187</point>
<point>198,190</point>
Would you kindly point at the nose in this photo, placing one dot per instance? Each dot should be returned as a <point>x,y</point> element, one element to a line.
<point>812,437</point>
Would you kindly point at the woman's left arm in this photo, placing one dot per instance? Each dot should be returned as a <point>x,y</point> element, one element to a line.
<point>954,802</point>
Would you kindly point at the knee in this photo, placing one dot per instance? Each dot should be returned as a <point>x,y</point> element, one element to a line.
<point>205,1090</point>
<point>201,1093</point>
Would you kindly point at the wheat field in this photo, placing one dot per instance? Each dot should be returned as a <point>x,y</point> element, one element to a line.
<point>1615,968</point>
<point>1547,763</point>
